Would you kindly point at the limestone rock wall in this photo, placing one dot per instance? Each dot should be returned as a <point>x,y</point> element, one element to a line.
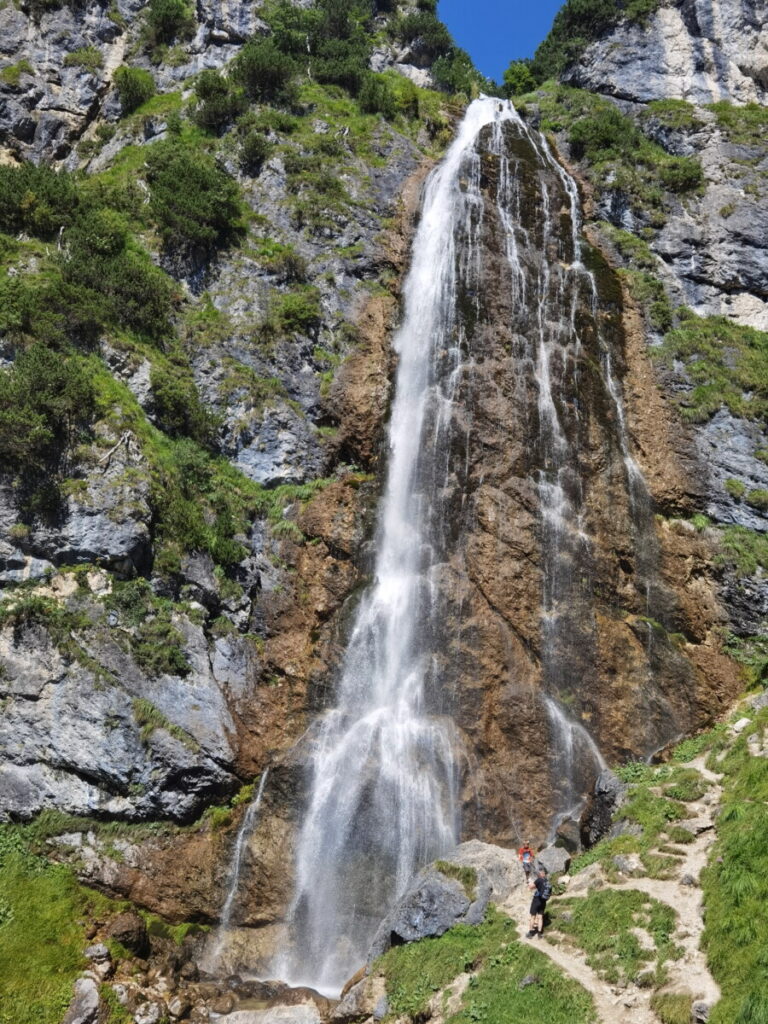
<point>696,50</point>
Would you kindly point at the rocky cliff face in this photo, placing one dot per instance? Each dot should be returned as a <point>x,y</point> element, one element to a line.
<point>146,680</point>
<point>700,51</point>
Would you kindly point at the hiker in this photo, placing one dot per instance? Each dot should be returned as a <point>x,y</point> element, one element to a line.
<point>543,888</point>
<point>525,855</point>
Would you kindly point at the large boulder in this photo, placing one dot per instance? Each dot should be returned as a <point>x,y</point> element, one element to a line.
<point>436,901</point>
<point>554,858</point>
<point>501,867</point>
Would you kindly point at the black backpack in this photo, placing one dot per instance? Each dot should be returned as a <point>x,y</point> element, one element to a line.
<point>546,889</point>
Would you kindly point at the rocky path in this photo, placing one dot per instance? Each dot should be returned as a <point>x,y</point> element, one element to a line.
<point>631,1005</point>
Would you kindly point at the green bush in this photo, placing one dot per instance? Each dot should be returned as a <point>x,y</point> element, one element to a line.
<point>377,96</point>
<point>263,70</point>
<point>36,200</point>
<point>681,174</point>
<point>219,104</point>
<point>128,289</point>
<point>518,78</point>
<point>254,150</point>
<point>170,19</point>
<point>46,399</point>
<point>299,311</point>
<point>195,203</point>
<point>11,73</point>
<point>434,38</point>
<point>178,410</point>
<point>134,87</point>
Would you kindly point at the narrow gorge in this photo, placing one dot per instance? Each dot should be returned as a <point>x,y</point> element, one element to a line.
<point>383,470</point>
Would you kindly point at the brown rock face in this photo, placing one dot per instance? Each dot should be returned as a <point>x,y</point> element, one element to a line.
<point>567,605</point>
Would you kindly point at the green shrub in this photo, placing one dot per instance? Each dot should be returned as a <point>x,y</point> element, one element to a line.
<point>178,410</point>
<point>11,74</point>
<point>757,498</point>
<point>36,200</point>
<point>518,78</point>
<point>254,150</point>
<point>134,87</point>
<point>88,57</point>
<point>746,124</point>
<point>263,70</point>
<point>46,399</point>
<point>377,96</point>
<point>681,174</point>
<point>298,311</point>
<point>128,289</point>
<point>170,19</point>
<point>195,203</point>
<point>219,104</point>
<point>434,38</point>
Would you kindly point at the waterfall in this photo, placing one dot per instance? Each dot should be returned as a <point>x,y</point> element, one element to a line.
<point>213,958</point>
<point>384,771</point>
<point>384,763</point>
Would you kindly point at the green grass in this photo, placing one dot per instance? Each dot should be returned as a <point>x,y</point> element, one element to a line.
<point>41,937</point>
<point>602,926</point>
<point>415,972</point>
<point>672,1008</point>
<point>747,125</point>
<point>466,875</point>
<point>726,362</point>
<point>677,114</point>
<point>735,886</point>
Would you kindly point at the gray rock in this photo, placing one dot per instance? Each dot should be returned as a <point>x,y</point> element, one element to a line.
<point>683,51</point>
<point>760,701</point>
<point>688,881</point>
<point>432,905</point>
<point>568,835</point>
<point>700,1011</point>
<point>628,864</point>
<point>529,979</point>
<point>97,952</point>
<point>303,1013</point>
<point>84,1008</point>
<point>151,1012</point>
<point>501,867</point>
<point>554,858</point>
<point>590,877</point>
<point>71,742</point>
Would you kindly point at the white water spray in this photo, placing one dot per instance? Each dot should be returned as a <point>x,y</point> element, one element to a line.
<point>383,798</point>
<point>213,959</point>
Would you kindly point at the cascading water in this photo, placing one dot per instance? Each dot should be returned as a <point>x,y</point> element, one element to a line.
<point>212,960</point>
<point>384,776</point>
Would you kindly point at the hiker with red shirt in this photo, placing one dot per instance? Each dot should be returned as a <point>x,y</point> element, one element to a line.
<point>526,857</point>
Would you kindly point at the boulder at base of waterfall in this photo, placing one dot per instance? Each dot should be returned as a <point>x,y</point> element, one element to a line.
<point>502,867</point>
<point>130,931</point>
<point>304,1013</point>
<point>554,858</point>
<point>443,895</point>
<point>367,998</point>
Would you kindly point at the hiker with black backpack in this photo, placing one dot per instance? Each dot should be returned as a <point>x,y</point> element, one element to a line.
<point>543,888</point>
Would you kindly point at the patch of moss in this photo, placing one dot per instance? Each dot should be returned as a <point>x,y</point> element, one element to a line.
<point>466,875</point>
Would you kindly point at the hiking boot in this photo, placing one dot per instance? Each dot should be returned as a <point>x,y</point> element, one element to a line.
<point>539,935</point>
<point>531,933</point>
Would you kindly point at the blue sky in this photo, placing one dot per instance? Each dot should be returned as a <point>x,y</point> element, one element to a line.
<point>495,31</point>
